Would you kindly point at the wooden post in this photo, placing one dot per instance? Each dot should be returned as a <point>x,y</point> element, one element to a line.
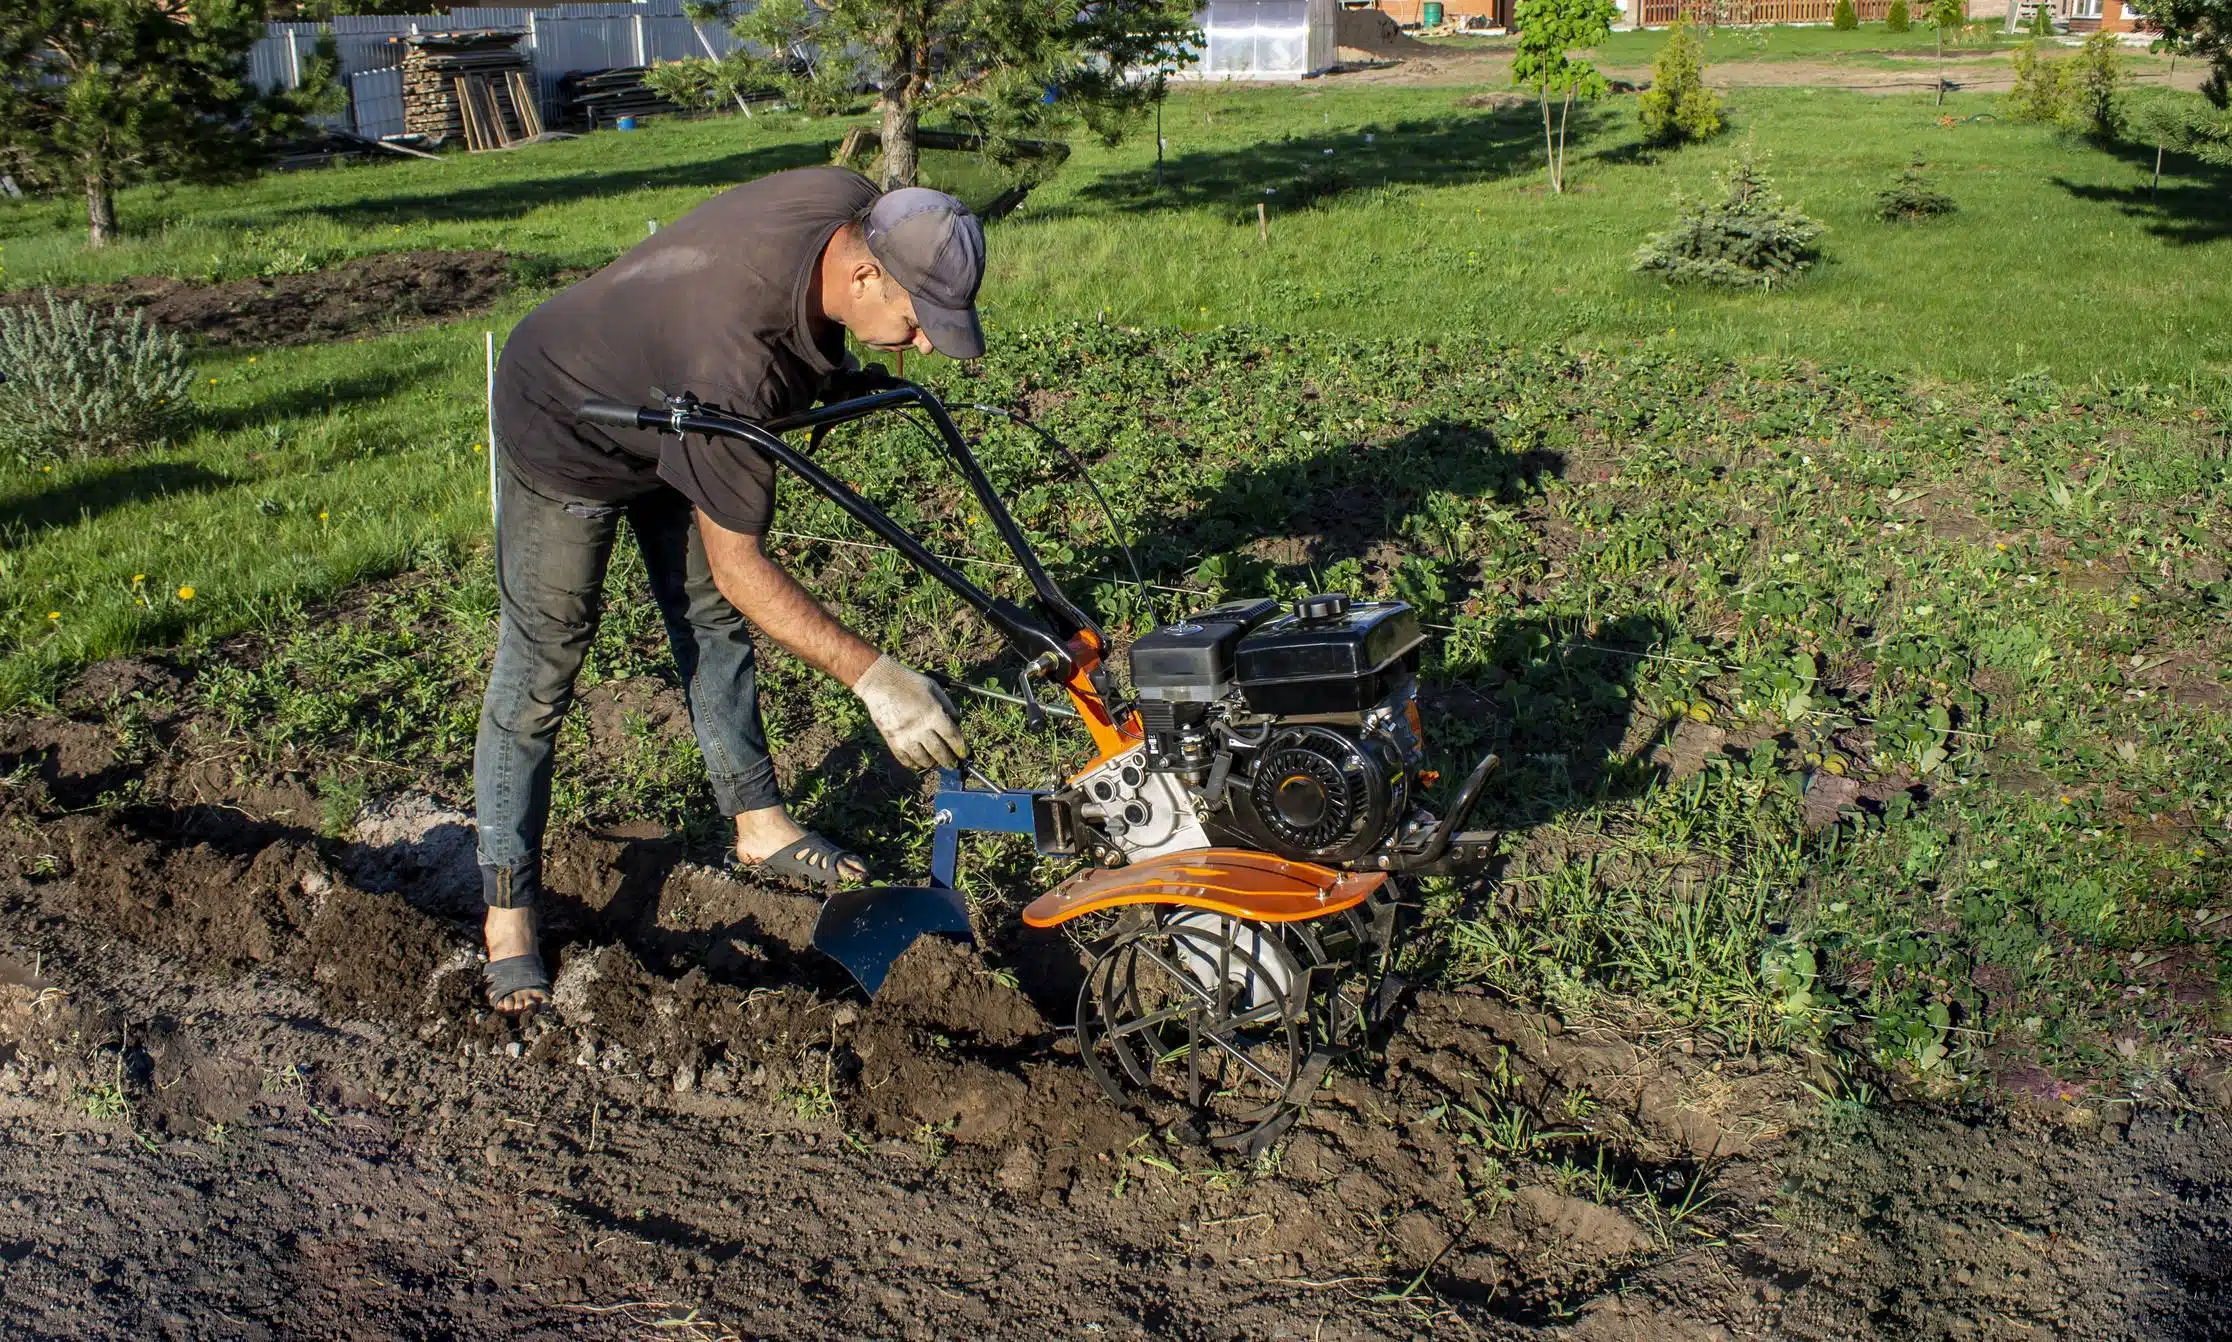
<point>1263,222</point>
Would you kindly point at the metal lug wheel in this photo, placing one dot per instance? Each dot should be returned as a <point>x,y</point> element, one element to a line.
<point>1202,1022</point>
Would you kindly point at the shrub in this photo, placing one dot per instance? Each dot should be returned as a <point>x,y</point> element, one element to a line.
<point>1677,106</point>
<point>1846,17</point>
<point>1912,198</point>
<point>1900,19</point>
<point>80,383</point>
<point>2094,81</point>
<point>1747,239</point>
<point>2041,91</point>
<point>2042,21</point>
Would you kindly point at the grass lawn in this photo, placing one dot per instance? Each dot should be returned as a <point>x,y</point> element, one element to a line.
<point>1939,533</point>
<point>1870,42</point>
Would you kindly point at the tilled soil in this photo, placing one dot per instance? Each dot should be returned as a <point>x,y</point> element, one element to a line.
<point>386,291</point>
<point>251,1091</point>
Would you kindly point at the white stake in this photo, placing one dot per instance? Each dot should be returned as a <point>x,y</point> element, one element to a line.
<point>488,350</point>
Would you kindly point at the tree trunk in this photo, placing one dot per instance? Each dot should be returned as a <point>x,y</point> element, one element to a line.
<point>1549,143</point>
<point>100,210</point>
<point>1565,114</point>
<point>1941,68</point>
<point>902,157</point>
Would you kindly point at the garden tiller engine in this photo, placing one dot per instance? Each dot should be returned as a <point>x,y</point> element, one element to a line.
<point>1244,826</point>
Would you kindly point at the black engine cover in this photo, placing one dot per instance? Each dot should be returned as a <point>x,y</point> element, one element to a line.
<point>1317,794</point>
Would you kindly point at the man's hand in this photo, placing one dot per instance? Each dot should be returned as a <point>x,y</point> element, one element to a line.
<point>913,714</point>
<point>856,380</point>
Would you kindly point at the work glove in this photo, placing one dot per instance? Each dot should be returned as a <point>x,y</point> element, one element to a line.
<point>913,714</point>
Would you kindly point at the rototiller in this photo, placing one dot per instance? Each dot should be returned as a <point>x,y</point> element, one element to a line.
<point>1246,816</point>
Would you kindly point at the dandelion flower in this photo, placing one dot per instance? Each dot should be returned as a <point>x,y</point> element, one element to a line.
<point>476,449</point>
<point>138,578</point>
<point>54,615</point>
<point>321,515</point>
<point>251,358</point>
<point>185,593</point>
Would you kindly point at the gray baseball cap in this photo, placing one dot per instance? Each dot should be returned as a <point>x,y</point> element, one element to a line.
<point>934,247</point>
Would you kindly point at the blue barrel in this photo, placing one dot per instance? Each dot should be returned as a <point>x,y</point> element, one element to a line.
<point>624,123</point>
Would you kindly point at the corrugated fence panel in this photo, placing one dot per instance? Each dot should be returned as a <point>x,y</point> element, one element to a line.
<point>377,97</point>
<point>562,39</point>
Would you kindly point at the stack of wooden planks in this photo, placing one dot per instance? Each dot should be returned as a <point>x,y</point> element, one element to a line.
<point>472,86</point>
<point>594,98</point>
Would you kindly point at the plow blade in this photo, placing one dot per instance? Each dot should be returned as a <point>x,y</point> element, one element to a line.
<point>867,930</point>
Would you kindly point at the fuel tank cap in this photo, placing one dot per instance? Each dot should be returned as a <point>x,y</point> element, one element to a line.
<point>1323,606</point>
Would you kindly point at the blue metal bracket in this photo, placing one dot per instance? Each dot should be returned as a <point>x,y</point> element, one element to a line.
<point>963,808</point>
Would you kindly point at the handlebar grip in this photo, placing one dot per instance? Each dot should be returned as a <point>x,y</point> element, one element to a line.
<point>616,415</point>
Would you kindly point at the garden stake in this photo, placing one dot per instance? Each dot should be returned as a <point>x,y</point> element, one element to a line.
<point>1263,222</point>
<point>1244,831</point>
<point>488,354</point>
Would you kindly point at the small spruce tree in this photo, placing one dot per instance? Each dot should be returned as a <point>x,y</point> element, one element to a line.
<point>1912,198</point>
<point>2042,21</point>
<point>1899,19</point>
<point>1677,106</point>
<point>1748,239</point>
<point>1846,18</point>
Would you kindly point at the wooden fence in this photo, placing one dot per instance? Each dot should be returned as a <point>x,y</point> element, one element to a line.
<point>1741,13</point>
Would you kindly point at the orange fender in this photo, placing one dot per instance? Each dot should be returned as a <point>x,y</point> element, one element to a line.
<point>1236,882</point>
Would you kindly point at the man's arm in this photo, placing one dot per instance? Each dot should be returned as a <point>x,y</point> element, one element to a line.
<point>913,714</point>
<point>771,598</point>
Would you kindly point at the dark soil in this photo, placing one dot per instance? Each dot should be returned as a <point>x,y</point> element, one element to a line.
<point>383,292</point>
<point>249,1089</point>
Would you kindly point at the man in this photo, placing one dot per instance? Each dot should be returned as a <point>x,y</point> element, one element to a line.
<point>746,302</point>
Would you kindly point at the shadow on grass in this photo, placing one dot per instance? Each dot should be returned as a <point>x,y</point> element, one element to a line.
<point>508,200</point>
<point>2193,210</point>
<point>89,496</point>
<point>323,397</point>
<point>1291,174</point>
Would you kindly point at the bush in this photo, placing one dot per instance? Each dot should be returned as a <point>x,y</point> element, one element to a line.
<point>2094,81</point>
<point>1846,18</point>
<point>82,384</point>
<point>1677,106</point>
<point>2042,22</point>
<point>1900,19</point>
<point>1912,198</point>
<point>2041,92</point>
<point>1749,239</point>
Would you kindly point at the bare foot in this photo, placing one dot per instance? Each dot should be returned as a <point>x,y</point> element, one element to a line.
<point>764,833</point>
<point>512,932</point>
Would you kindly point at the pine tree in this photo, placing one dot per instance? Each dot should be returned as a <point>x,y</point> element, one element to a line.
<point>1549,33</point>
<point>1899,18</point>
<point>97,94</point>
<point>1844,18</point>
<point>2202,28</point>
<point>1005,69</point>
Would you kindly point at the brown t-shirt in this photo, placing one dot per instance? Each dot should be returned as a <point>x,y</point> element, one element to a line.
<point>717,304</point>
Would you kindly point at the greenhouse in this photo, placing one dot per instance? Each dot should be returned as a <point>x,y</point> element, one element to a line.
<point>1265,39</point>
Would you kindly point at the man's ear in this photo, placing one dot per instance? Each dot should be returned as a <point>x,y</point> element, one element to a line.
<point>865,275</point>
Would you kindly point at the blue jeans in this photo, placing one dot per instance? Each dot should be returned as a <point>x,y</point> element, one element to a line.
<point>551,554</point>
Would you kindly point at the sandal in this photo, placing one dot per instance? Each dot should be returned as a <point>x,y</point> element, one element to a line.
<point>811,859</point>
<point>516,974</point>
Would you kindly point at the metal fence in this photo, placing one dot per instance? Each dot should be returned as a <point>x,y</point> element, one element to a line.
<point>560,40</point>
